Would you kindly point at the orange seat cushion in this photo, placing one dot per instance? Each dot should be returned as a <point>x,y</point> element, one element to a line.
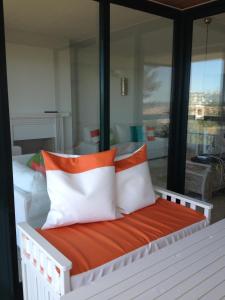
<point>91,245</point>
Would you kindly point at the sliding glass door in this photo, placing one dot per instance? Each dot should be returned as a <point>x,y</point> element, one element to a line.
<point>52,60</point>
<point>53,86</point>
<point>140,72</point>
<point>205,164</point>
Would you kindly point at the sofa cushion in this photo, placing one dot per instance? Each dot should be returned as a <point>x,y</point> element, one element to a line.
<point>23,176</point>
<point>91,135</point>
<point>88,246</point>
<point>137,133</point>
<point>122,133</point>
<point>150,133</point>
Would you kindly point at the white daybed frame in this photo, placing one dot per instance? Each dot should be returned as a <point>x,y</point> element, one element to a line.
<point>46,271</point>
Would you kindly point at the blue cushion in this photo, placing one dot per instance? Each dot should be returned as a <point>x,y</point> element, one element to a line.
<point>137,133</point>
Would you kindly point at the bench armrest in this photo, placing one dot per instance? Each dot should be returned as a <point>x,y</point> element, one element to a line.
<point>185,201</point>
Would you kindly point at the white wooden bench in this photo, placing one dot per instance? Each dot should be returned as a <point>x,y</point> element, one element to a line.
<point>193,268</point>
<point>46,271</point>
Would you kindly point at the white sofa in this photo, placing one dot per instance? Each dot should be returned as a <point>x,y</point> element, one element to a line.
<point>16,150</point>
<point>121,139</point>
<point>30,193</point>
<point>156,149</point>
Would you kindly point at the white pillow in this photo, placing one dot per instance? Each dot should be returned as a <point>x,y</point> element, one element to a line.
<point>134,185</point>
<point>40,204</point>
<point>122,133</point>
<point>91,135</point>
<point>127,148</point>
<point>23,176</point>
<point>150,133</point>
<point>82,189</point>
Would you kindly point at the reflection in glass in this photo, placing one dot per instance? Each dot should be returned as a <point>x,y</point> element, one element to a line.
<point>53,84</point>
<point>141,51</point>
<point>205,168</point>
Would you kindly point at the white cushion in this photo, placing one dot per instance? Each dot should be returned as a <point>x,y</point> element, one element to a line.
<point>40,204</point>
<point>91,134</point>
<point>23,159</point>
<point>23,176</point>
<point>122,133</point>
<point>16,150</point>
<point>150,133</point>
<point>157,148</point>
<point>134,184</point>
<point>127,148</point>
<point>82,189</point>
<point>86,148</point>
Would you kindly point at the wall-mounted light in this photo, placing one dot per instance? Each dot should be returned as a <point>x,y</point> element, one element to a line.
<point>124,86</point>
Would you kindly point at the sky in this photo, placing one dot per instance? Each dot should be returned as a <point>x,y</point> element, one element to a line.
<point>206,76</point>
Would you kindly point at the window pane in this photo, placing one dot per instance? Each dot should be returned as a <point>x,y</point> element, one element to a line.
<point>141,59</point>
<point>53,86</point>
<point>205,138</point>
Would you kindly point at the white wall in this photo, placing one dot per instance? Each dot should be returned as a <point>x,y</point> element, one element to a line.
<point>63,92</point>
<point>87,81</point>
<point>129,51</point>
<point>31,79</point>
<point>39,79</point>
<point>122,64</point>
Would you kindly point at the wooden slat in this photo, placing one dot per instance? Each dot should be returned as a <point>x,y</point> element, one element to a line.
<point>217,293</point>
<point>216,275</point>
<point>173,199</point>
<point>200,203</point>
<point>192,206</point>
<point>190,277</point>
<point>152,287</point>
<point>161,272</point>
<point>41,243</point>
<point>182,202</point>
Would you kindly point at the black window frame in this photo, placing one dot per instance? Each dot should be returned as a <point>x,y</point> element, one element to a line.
<point>183,23</point>
<point>9,283</point>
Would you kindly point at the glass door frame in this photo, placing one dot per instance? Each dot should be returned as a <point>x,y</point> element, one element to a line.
<point>104,68</point>
<point>182,53</point>
<point>9,284</point>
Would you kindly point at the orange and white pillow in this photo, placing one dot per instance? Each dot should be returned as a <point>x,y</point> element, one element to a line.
<point>91,135</point>
<point>134,184</point>
<point>150,134</point>
<point>82,189</point>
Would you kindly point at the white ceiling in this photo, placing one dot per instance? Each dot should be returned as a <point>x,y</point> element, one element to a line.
<point>75,20</point>
<point>56,22</point>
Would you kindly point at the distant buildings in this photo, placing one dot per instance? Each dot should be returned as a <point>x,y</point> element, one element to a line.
<point>201,105</point>
<point>205,105</point>
<point>205,98</point>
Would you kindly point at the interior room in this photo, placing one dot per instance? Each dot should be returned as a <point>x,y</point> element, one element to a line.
<point>67,65</point>
<point>112,149</point>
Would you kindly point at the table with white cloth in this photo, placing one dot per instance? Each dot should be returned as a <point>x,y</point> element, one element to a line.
<point>192,268</point>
